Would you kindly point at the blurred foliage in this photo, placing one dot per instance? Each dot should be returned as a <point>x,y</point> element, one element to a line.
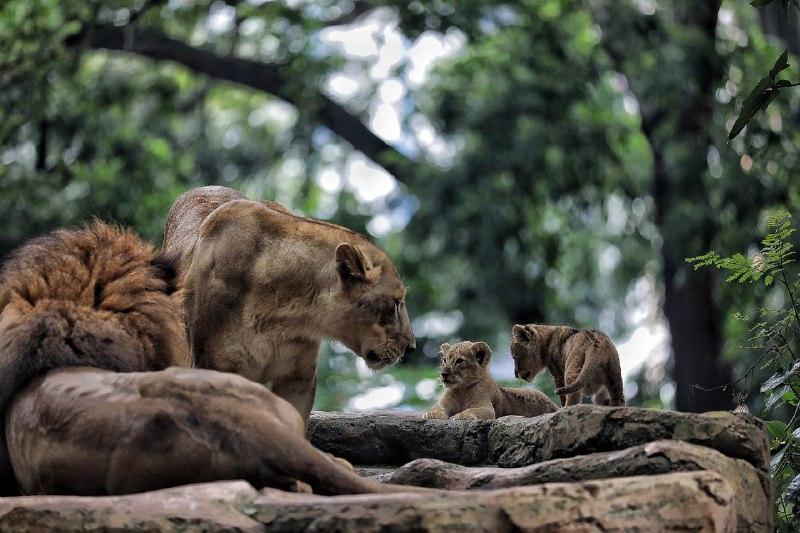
<point>539,208</point>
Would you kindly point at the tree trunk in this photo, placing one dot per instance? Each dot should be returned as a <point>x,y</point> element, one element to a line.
<point>681,195</point>
<point>775,24</point>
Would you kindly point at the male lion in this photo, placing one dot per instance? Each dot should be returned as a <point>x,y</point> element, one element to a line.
<point>98,297</point>
<point>262,287</point>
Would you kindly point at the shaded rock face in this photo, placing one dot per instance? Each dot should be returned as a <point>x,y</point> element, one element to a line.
<point>575,444</point>
<point>517,441</point>
<point>584,468</point>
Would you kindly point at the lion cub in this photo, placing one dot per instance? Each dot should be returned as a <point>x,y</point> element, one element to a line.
<point>471,393</point>
<point>582,362</point>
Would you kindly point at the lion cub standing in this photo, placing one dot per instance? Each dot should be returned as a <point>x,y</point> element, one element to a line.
<point>582,362</point>
<point>471,393</point>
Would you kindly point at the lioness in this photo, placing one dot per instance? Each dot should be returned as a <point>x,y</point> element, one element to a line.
<point>98,296</point>
<point>471,393</point>
<point>263,287</point>
<point>582,362</point>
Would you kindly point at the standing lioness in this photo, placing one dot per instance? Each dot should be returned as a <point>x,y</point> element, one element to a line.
<point>263,287</point>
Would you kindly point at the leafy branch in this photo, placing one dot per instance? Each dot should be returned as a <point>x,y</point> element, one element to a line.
<point>762,94</point>
<point>775,336</point>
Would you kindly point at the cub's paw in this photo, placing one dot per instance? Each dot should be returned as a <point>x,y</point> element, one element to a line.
<point>465,416</point>
<point>435,414</point>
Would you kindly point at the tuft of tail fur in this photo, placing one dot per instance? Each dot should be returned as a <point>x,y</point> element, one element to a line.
<point>586,374</point>
<point>55,335</point>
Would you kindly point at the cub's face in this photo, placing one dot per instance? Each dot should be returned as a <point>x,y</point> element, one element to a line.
<point>526,353</point>
<point>373,319</point>
<point>464,363</point>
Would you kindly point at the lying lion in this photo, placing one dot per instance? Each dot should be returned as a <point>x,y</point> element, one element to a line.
<point>90,432</point>
<point>263,287</point>
<point>98,296</point>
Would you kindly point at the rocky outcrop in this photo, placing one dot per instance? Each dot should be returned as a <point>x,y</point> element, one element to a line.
<point>583,468</point>
<point>516,441</point>
<point>660,457</point>
<point>696,500</point>
<point>700,501</point>
<point>576,444</point>
<point>222,506</point>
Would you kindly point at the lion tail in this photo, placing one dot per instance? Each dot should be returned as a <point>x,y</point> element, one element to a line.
<point>55,335</point>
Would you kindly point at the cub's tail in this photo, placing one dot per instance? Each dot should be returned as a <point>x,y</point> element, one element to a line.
<point>616,390</point>
<point>591,363</point>
<point>52,335</point>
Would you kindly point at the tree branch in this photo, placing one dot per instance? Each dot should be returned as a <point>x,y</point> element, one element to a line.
<point>257,75</point>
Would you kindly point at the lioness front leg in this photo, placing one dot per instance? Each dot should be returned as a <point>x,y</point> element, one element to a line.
<point>483,412</point>
<point>299,392</point>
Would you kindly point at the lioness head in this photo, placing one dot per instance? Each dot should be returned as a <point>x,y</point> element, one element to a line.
<point>372,310</point>
<point>526,352</point>
<point>464,363</point>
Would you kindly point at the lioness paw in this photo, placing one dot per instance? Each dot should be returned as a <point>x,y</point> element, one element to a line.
<point>465,416</point>
<point>435,414</point>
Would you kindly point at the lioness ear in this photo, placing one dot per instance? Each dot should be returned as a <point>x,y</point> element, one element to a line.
<point>521,333</point>
<point>350,264</point>
<point>444,348</point>
<point>482,353</point>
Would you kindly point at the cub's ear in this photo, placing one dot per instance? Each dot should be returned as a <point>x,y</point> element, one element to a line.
<point>482,353</point>
<point>445,348</point>
<point>351,264</point>
<point>521,333</point>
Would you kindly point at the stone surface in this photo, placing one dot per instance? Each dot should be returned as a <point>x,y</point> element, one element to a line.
<point>690,500</point>
<point>383,439</point>
<point>697,501</point>
<point>660,457</point>
<point>221,506</point>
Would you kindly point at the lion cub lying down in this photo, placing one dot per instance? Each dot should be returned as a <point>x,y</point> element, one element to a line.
<point>471,393</point>
<point>582,362</point>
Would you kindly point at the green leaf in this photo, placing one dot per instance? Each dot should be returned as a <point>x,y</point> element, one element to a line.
<point>758,99</point>
<point>760,3</point>
<point>777,457</point>
<point>780,378</point>
<point>777,429</point>
<point>782,63</point>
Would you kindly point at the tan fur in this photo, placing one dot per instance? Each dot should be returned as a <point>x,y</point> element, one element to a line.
<point>582,362</point>
<point>92,296</point>
<point>471,393</point>
<point>91,432</point>
<point>99,297</point>
<point>263,287</point>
